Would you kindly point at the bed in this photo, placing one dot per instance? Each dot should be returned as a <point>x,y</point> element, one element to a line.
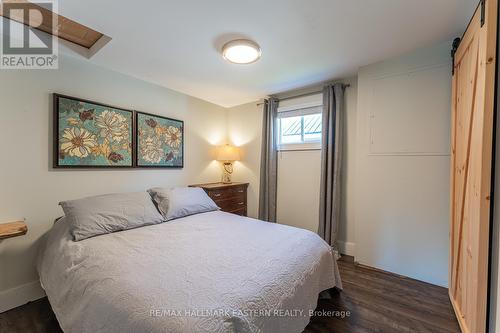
<point>209,272</point>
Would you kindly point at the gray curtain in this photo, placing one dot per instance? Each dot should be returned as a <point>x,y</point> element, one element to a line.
<point>268,162</point>
<point>331,163</point>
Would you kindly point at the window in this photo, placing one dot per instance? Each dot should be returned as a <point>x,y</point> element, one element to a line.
<point>299,126</point>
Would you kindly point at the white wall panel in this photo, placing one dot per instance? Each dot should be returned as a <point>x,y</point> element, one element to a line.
<point>402,178</point>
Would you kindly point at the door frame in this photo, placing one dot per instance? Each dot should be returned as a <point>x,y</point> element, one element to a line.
<point>494,239</point>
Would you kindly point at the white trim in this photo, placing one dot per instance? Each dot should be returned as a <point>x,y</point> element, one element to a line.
<point>409,154</point>
<point>304,145</point>
<point>389,74</point>
<point>299,106</point>
<point>348,248</point>
<point>372,115</point>
<point>303,111</point>
<point>17,296</point>
<point>300,146</point>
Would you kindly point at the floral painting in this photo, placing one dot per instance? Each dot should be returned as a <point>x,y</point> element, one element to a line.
<point>89,134</point>
<point>160,141</point>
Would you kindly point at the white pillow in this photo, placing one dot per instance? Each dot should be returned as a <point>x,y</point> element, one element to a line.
<point>177,202</point>
<point>104,214</point>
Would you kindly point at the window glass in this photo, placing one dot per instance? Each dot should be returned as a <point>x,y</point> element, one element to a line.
<point>291,130</point>
<point>298,131</point>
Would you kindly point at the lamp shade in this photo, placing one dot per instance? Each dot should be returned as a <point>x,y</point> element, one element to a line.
<point>228,153</point>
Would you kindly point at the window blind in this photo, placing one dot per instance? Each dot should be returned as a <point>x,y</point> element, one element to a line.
<point>300,112</point>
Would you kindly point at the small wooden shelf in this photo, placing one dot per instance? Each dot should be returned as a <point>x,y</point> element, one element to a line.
<point>12,229</point>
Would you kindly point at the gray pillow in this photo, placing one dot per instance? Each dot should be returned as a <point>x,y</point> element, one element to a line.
<point>108,213</point>
<point>174,203</point>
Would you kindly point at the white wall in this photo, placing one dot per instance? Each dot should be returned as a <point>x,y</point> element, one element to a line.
<point>30,188</point>
<point>395,206</point>
<point>396,171</point>
<point>402,178</point>
<point>244,124</point>
<point>299,175</point>
<point>298,171</point>
<point>347,228</point>
<point>298,188</point>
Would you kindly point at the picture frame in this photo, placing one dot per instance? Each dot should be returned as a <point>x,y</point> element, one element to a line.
<point>159,141</point>
<point>89,134</point>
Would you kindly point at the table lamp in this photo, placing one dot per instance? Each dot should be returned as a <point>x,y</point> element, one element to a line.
<point>227,155</point>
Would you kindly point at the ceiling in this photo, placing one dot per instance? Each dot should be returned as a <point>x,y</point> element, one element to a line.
<point>176,44</point>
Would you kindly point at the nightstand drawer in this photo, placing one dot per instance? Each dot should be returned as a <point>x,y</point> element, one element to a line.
<point>231,198</point>
<point>219,194</point>
<point>227,193</point>
<point>242,212</point>
<point>231,203</point>
<point>238,190</point>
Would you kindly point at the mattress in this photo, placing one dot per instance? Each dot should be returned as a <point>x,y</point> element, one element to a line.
<point>210,272</point>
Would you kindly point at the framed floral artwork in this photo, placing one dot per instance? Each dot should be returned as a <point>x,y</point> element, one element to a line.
<point>160,141</point>
<point>91,135</point>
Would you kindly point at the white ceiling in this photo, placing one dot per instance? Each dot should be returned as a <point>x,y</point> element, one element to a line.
<point>176,43</point>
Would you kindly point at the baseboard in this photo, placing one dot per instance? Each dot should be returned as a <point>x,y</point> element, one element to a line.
<point>12,298</point>
<point>348,248</point>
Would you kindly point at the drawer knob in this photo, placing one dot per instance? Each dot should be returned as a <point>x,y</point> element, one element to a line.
<point>240,191</point>
<point>240,203</point>
<point>217,195</point>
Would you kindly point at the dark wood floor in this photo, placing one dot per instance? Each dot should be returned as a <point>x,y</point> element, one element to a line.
<point>385,302</point>
<point>375,301</point>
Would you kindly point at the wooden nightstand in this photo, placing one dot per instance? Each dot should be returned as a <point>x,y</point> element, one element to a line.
<point>231,198</point>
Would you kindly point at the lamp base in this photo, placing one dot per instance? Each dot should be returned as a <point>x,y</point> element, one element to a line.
<point>226,173</point>
<point>226,178</point>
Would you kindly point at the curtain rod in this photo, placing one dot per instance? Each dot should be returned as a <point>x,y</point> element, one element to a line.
<point>304,95</point>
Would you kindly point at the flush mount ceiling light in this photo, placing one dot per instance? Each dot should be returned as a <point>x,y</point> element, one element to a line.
<point>241,51</point>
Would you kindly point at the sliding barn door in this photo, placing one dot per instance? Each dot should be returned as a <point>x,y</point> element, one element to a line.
<point>471,166</point>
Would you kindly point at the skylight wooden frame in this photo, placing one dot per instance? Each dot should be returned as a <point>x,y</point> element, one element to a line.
<point>65,28</point>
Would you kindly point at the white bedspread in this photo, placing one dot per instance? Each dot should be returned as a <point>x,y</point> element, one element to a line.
<point>211,272</point>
